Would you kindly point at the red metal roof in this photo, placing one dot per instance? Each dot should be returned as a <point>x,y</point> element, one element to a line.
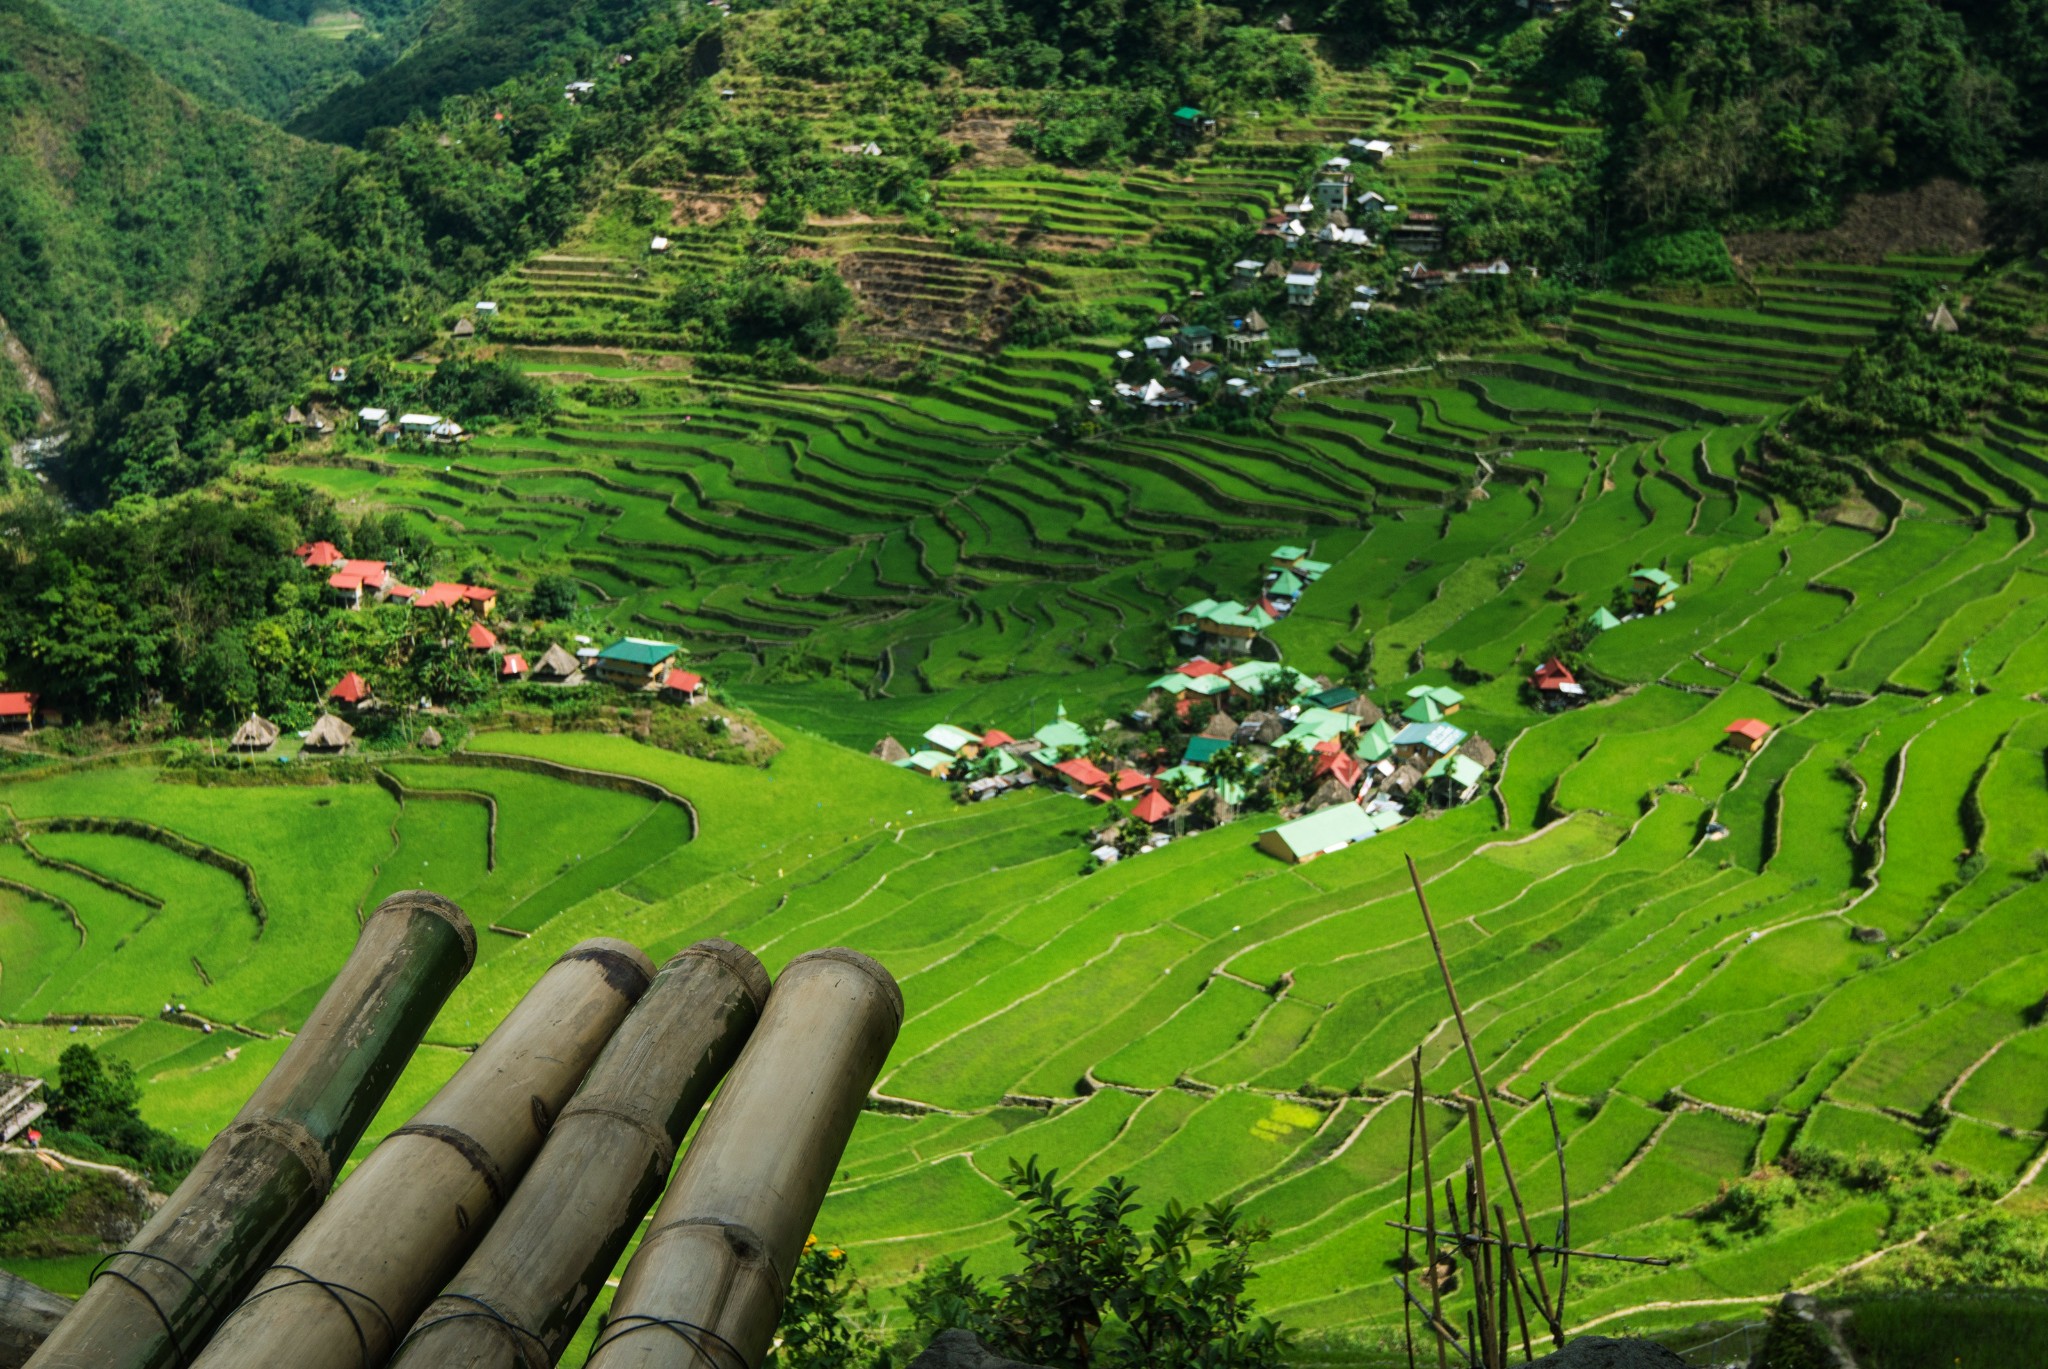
<point>995,736</point>
<point>1752,728</point>
<point>1083,772</point>
<point>1198,667</point>
<point>350,689</point>
<point>319,555</point>
<point>682,681</point>
<point>1129,781</point>
<point>481,638</point>
<point>1551,674</point>
<point>341,579</point>
<point>1153,808</point>
<point>18,704</point>
<point>513,664</point>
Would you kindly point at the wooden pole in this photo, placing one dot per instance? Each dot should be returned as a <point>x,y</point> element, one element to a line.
<point>1507,1170</point>
<point>1436,1294</point>
<point>154,1305</point>
<point>344,1292</point>
<point>706,1286</point>
<point>28,1315</point>
<point>523,1294</point>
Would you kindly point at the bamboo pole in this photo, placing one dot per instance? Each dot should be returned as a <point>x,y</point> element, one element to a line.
<point>707,1284</point>
<point>343,1293</point>
<point>1436,1296</point>
<point>263,1176</point>
<point>28,1315</point>
<point>521,1297</point>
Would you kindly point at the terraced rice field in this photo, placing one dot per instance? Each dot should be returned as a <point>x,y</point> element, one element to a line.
<point>855,557</point>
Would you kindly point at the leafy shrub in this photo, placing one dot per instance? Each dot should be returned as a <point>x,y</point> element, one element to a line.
<point>31,1194</point>
<point>100,1098</point>
<point>1096,1293</point>
<point>1698,257</point>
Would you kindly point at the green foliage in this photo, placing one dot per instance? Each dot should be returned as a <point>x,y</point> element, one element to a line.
<point>814,1332</point>
<point>1695,257</point>
<point>554,596</point>
<point>122,200</point>
<point>31,1194</point>
<point>230,56</point>
<point>471,46</point>
<point>763,303</point>
<point>1097,1291</point>
<point>101,1099</point>
<point>478,391</point>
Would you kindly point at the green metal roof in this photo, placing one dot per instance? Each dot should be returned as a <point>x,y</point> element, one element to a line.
<point>1444,695</point>
<point>1376,743</point>
<point>1187,112</point>
<point>1334,697</point>
<point>1424,710</point>
<point>1176,683</point>
<point>1287,583</point>
<point>1463,770</point>
<point>1289,554</point>
<point>1200,749</point>
<point>1200,607</point>
<point>638,651</point>
<point>925,760</point>
<point>1312,570</point>
<point>1062,733</point>
<point>947,737</point>
<point>1330,830</point>
<point>1208,685</point>
<point>1604,620</point>
<point>1654,576</point>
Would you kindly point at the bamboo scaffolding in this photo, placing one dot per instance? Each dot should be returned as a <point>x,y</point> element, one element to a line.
<point>268,1172</point>
<point>521,1297</point>
<point>362,1271</point>
<point>706,1286</point>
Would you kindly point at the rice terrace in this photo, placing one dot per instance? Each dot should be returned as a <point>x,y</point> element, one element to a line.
<point>1082,577</point>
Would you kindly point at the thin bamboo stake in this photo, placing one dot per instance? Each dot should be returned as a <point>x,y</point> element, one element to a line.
<point>1443,1330</point>
<point>1408,1212</point>
<point>1512,1277</point>
<point>1564,1216</point>
<point>1479,1082</point>
<point>268,1172</point>
<point>1482,1261</point>
<point>1541,1249</point>
<point>1436,1297</point>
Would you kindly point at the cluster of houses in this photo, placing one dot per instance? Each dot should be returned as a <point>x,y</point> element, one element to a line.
<point>1369,767</point>
<point>352,582</point>
<point>1228,625</point>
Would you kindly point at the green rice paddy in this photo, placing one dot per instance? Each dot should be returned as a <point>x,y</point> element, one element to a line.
<point>852,559</point>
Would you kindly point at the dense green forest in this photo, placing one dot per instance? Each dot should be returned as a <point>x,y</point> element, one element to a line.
<point>121,199</point>
<point>472,45</point>
<point>229,56</point>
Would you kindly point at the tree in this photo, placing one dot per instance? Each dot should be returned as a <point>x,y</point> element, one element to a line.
<point>100,1100</point>
<point>554,596</point>
<point>1098,1293</point>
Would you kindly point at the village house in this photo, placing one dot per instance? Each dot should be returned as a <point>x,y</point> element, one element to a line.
<point>1432,703</point>
<point>1190,122</point>
<point>1153,809</point>
<point>352,692</point>
<point>932,764</point>
<point>1320,833</point>
<point>1424,744</point>
<point>463,329</point>
<point>18,711</point>
<point>954,741</point>
<point>486,308</point>
<point>330,736</point>
<point>1370,204</point>
<point>372,421</point>
<point>1304,278</point>
<point>1602,620</point>
<point>1290,359</point>
<point>1454,780</point>
<point>481,638</point>
<point>257,734</point>
<point>658,244</point>
<point>1374,151</point>
<point>512,666</point>
<point>635,662</point>
<point>1082,776</point>
<point>470,598</point>
<point>1195,340</point>
<point>684,687</point>
<point>1420,232</point>
<point>556,666</point>
<point>1246,271</point>
<point>318,555</point>
<point>1655,591</point>
<point>353,580</point>
<point>1746,735</point>
<point>1332,188</point>
<point>577,91</point>
<point>890,750</point>
<point>1556,687</point>
<point>1247,333</point>
<point>1061,734</point>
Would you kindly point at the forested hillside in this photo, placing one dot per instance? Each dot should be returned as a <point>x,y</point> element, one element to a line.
<point>232,57</point>
<point>123,201</point>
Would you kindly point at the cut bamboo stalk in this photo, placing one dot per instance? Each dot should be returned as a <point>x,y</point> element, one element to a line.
<point>267,1173</point>
<point>361,1272</point>
<point>523,1294</point>
<point>706,1286</point>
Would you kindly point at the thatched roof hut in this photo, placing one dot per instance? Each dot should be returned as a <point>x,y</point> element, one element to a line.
<point>257,734</point>
<point>555,665</point>
<point>1404,779</point>
<point>329,733</point>
<point>1364,708</point>
<point>1329,794</point>
<point>430,740</point>
<point>890,750</point>
<point>1222,727</point>
<point>1260,728</point>
<point>1480,750</point>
